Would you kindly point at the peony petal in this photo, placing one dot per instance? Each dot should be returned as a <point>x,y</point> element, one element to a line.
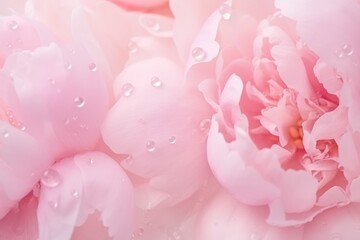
<point>91,181</point>
<point>229,167</point>
<point>162,125</point>
<point>20,170</point>
<point>224,217</point>
<point>16,33</point>
<point>299,190</point>
<point>337,223</point>
<point>63,104</point>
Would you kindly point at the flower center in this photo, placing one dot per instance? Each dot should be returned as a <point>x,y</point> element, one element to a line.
<point>296,134</point>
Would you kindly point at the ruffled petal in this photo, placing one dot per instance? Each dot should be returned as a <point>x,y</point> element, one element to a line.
<point>91,181</point>
<point>62,104</point>
<point>20,170</point>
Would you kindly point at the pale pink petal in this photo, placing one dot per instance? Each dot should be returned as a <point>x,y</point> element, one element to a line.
<point>20,170</point>
<point>91,181</point>
<point>16,33</point>
<point>190,15</point>
<point>162,125</point>
<point>224,217</point>
<point>229,166</point>
<point>340,52</point>
<point>299,190</point>
<point>349,154</point>
<point>337,223</point>
<point>63,103</point>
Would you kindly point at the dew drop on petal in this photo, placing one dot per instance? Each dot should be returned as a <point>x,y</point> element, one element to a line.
<point>127,89</point>
<point>51,178</point>
<point>75,194</point>
<point>129,160</point>
<point>347,50</point>
<point>225,11</point>
<point>140,231</point>
<point>5,133</point>
<point>54,204</point>
<point>92,67</point>
<point>150,146</point>
<point>90,161</point>
<point>132,46</point>
<point>198,54</point>
<point>205,125</point>
<point>52,81</point>
<point>172,140</point>
<point>13,25</point>
<point>175,234</point>
<point>156,82</point>
<point>22,127</point>
<point>79,102</point>
<point>150,23</point>
<point>68,66</point>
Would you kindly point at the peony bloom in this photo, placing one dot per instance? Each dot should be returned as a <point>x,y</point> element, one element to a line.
<point>53,99</point>
<point>284,132</point>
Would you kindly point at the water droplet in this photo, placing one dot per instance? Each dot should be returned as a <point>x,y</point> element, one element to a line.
<point>150,23</point>
<point>75,194</point>
<point>198,54</point>
<point>347,50</point>
<point>5,133</point>
<point>205,125</point>
<point>132,46</point>
<point>150,146</point>
<point>79,102</point>
<point>51,178</point>
<point>127,89</point>
<point>22,127</point>
<point>129,160</point>
<point>67,122</point>
<point>92,67</point>
<point>90,161</point>
<point>172,140</point>
<point>52,81</point>
<point>140,231</point>
<point>156,82</point>
<point>13,25</point>
<point>68,66</point>
<point>9,45</point>
<point>54,204</point>
<point>225,11</point>
<point>175,234</point>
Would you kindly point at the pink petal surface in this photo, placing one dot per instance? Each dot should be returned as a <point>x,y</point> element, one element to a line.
<point>81,192</point>
<point>224,217</point>
<point>63,105</point>
<point>21,223</point>
<point>162,145</point>
<point>20,170</point>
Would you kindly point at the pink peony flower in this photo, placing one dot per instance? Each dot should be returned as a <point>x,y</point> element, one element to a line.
<point>284,134</point>
<point>53,98</point>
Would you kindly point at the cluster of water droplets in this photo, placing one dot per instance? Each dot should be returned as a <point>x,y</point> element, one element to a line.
<point>345,51</point>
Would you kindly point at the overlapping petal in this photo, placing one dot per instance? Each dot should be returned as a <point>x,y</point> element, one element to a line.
<point>90,182</point>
